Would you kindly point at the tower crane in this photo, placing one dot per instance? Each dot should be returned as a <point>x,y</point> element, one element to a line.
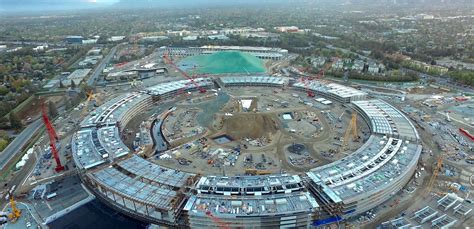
<point>169,61</point>
<point>433,178</point>
<point>53,138</point>
<point>90,97</point>
<point>352,128</point>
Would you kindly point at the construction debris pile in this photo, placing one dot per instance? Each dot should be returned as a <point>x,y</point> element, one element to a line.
<point>258,142</point>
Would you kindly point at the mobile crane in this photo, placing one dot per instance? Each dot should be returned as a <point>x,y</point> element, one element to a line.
<point>15,213</point>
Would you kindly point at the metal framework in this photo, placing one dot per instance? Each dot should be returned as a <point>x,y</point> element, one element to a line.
<point>16,213</point>
<point>352,128</point>
<point>439,164</point>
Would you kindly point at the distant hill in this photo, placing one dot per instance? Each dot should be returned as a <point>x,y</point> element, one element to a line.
<point>224,62</point>
<point>207,3</point>
<point>199,3</point>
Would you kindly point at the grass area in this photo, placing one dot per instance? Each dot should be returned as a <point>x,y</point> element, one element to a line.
<point>222,63</point>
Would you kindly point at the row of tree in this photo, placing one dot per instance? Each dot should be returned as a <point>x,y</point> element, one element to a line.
<point>462,76</point>
<point>394,76</point>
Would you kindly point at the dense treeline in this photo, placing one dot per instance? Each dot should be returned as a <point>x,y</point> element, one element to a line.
<point>464,77</point>
<point>395,76</point>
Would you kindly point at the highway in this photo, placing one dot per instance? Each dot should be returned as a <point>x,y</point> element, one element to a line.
<point>19,142</point>
<point>93,78</point>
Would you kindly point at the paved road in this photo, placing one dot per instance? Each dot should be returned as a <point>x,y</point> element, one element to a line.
<point>91,81</point>
<point>18,143</point>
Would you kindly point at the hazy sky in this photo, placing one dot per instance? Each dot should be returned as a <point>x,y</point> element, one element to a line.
<point>7,6</point>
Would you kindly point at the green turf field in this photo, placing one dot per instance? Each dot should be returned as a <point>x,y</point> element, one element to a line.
<point>223,62</point>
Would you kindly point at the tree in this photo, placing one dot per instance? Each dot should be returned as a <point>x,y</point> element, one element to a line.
<point>4,90</point>
<point>61,85</point>
<point>73,84</point>
<point>15,122</point>
<point>3,144</point>
<point>53,111</point>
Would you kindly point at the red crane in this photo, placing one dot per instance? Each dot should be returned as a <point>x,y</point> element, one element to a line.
<point>53,138</point>
<point>327,66</point>
<point>167,59</point>
<point>305,80</point>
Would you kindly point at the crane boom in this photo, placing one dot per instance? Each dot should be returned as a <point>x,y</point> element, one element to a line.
<point>167,59</point>
<point>439,164</point>
<point>305,81</point>
<point>53,138</point>
<point>352,128</point>
<point>16,213</point>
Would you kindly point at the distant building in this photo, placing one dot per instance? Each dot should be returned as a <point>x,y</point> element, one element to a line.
<point>94,51</point>
<point>178,33</point>
<point>40,48</point>
<point>153,38</point>
<point>338,65</point>
<point>76,76</point>
<point>190,38</point>
<point>3,48</point>
<point>318,61</point>
<point>74,39</point>
<point>116,38</point>
<point>358,65</point>
<point>218,37</point>
<point>90,61</point>
<point>122,75</point>
<point>51,84</point>
<point>287,29</point>
<point>89,41</point>
<point>259,52</point>
<point>373,68</point>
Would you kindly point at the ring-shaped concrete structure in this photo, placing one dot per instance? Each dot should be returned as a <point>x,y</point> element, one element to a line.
<point>144,190</point>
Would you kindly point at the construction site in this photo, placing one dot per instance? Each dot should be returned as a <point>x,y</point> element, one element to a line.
<point>242,148</point>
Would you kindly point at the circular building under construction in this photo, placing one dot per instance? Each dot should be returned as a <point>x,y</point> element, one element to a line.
<point>177,175</point>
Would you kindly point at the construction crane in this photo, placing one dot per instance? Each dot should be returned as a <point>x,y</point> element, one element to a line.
<point>191,79</point>
<point>221,224</point>
<point>433,178</point>
<point>16,213</point>
<point>321,74</point>
<point>305,81</point>
<point>53,138</point>
<point>90,97</point>
<point>352,128</point>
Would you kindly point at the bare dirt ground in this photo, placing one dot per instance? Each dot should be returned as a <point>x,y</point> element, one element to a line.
<point>248,125</point>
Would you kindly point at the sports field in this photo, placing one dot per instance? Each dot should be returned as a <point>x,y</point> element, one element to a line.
<point>222,63</point>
